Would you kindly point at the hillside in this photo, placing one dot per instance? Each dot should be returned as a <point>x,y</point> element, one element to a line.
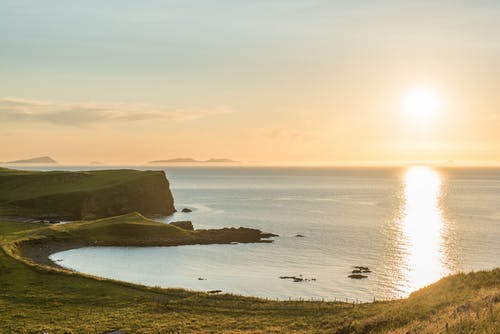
<point>83,195</point>
<point>36,299</point>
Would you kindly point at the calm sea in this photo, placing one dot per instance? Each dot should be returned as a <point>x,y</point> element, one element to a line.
<point>410,226</point>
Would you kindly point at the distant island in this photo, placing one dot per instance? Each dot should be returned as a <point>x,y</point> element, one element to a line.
<point>191,160</point>
<point>38,160</point>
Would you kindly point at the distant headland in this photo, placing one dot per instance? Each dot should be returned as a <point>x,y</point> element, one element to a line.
<point>191,160</point>
<point>37,160</point>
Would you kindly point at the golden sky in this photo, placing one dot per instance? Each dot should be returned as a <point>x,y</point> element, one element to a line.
<point>285,82</point>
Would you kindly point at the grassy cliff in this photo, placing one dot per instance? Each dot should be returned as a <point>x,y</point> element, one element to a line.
<point>83,195</point>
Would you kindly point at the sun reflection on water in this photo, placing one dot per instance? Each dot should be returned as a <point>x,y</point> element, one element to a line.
<point>422,227</point>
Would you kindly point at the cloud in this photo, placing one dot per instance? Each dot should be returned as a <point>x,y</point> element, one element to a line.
<point>92,113</point>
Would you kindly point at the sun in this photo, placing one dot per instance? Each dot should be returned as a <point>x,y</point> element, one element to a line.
<point>422,104</point>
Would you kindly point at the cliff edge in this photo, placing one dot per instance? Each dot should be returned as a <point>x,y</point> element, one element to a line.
<point>84,195</point>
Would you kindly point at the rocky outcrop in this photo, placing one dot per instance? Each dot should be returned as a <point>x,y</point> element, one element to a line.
<point>231,235</point>
<point>185,225</point>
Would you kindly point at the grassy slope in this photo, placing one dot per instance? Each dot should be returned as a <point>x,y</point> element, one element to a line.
<point>128,229</point>
<point>33,299</point>
<point>30,193</point>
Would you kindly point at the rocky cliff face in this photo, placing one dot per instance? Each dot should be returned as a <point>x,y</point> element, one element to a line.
<point>92,195</point>
<point>150,195</point>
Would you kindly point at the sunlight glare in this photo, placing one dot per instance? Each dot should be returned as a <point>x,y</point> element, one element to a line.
<point>422,226</point>
<point>421,104</point>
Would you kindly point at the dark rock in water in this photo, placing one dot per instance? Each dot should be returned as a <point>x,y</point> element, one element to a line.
<point>214,291</point>
<point>367,271</point>
<point>186,210</point>
<point>54,222</point>
<point>298,278</point>
<point>299,236</point>
<point>361,268</point>
<point>293,278</point>
<point>185,225</point>
<point>268,235</point>
<point>356,271</point>
<point>201,279</point>
<point>357,276</point>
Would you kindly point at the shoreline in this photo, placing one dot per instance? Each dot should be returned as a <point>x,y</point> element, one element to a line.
<point>39,250</point>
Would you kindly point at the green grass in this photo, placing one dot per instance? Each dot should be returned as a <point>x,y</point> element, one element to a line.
<point>74,195</point>
<point>128,229</point>
<point>34,299</point>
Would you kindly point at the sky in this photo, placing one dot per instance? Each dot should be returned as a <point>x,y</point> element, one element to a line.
<point>271,81</point>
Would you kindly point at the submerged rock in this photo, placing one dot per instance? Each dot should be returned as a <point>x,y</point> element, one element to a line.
<point>358,272</point>
<point>362,268</point>
<point>298,278</point>
<point>186,210</point>
<point>299,236</point>
<point>357,276</point>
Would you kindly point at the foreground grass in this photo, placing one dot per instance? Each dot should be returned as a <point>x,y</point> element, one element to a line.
<point>34,300</point>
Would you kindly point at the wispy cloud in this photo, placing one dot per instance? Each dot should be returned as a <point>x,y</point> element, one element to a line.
<point>92,113</point>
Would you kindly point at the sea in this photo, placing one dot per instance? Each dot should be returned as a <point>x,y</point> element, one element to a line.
<point>410,226</point>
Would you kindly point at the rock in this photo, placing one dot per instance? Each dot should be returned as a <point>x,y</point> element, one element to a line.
<point>54,222</point>
<point>201,279</point>
<point>298,278</point>
<point>357,276</point>
<point>214,291</point>
<point>361,268</point>
<point>232,234</point>
<point>186,210</point>
<point>185,225</point>
<point>356,271</point>
<point>268,235</point>
<point>299,236</point>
